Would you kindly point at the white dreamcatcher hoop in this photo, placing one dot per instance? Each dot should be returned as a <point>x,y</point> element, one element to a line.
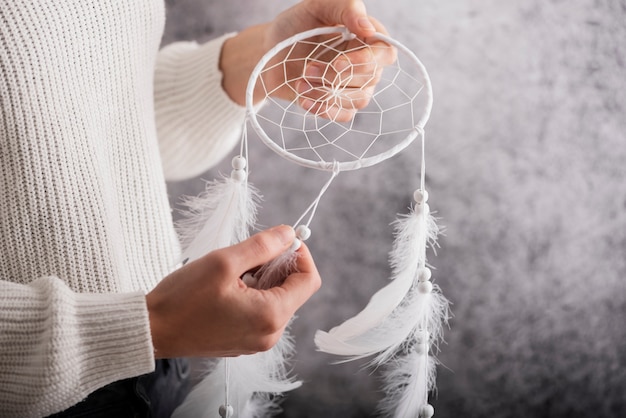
<point>312,129</point>
<point>303,119</point>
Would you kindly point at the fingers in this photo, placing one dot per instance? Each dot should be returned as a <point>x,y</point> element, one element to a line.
<point>337,89</point>
<point>350,13</point>
<point>256,250</point>
<point>297,287</point>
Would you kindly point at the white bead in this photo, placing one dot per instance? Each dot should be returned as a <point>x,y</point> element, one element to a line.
<point>249,279</point>
<point>424,274</point>
<point>295,245</point>
<point>239,175</point>
<point>239,163</point>
<point>303,232</point>
<point>425,287</point>
<point>427,411</point>
<point>226,411</point>
<point>420,196</point>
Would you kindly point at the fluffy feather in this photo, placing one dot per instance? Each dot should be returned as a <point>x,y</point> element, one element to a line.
<point>390,316</point>
<point>274,273</point>
<point>248,376</point>
<point>406,393</point>
<point>220,216</point>
<point>418,312</point>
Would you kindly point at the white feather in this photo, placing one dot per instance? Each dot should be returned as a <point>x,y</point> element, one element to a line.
<point>418,312</point>
<point>219,217</point>
<point>390,315</point>
<point>274,272</point>
<point>248,376</point>
<point>407,382</point>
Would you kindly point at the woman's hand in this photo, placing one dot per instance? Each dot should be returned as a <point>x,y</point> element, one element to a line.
<point>241,53</point>
<point>205,310</point>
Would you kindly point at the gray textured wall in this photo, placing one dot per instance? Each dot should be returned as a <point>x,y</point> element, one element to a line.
<point>527,168</point>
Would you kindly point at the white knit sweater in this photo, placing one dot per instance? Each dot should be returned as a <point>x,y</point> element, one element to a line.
<point>85,225</point>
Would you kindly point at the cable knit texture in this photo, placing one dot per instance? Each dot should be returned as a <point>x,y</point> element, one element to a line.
<point>85,225</point>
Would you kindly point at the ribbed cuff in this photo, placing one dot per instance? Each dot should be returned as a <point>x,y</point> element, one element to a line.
<point>58,346</point>
<point>197,123</point>
<point>113,335</point>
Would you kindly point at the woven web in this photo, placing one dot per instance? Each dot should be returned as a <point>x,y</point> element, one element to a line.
<point>395,106</point>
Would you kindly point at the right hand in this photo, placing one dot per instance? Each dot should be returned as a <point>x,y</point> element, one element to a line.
<point>205,310</point>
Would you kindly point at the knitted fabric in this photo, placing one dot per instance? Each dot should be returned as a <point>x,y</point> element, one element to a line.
<point>85,225</point>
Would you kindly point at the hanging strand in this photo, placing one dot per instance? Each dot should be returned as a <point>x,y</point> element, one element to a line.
<point>313,206</point>
<point>423,164</point>
<point>226,410</point>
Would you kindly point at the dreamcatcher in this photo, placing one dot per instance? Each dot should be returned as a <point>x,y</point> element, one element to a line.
<point>402,324</point>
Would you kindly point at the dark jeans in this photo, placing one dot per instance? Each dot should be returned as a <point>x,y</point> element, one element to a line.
<point>153,395</point>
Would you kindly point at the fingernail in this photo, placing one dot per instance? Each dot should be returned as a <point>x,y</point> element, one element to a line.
<point>285,233</point>
<point>365,24</point>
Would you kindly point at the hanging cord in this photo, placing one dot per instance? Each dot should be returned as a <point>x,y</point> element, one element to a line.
<point>313,206</point>
<point>226,382</point>
<point>226,410</point>
<point>423,163</point>
<point>243,147</point>
<point>426,411</point>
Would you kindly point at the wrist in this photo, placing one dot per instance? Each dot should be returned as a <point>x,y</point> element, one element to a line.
<point>156,327</point>
<point>239,56</point>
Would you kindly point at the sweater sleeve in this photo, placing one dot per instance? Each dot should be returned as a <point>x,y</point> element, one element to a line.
<point>57,346</point>
<point>197,123</point>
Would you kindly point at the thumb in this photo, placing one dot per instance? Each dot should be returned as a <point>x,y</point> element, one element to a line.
<point>356,20</point>
<point>350,13</point>
<point>259,248</point>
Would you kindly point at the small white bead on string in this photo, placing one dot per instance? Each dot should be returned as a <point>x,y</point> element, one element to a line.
<point>239,173</point>
<point>427,411</point>
<point>302,234</point>
<point>420,196</point>
<point>226,411</point>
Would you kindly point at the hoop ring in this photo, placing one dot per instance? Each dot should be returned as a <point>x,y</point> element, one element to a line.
<point>422,77</point>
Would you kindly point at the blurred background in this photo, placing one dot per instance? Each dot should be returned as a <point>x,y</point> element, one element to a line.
<point>526,159</point>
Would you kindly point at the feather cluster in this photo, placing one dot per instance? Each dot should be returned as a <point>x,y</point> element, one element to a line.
<point>255,385</point>
<point>402,321</point>
<point>220,216</point>
<point>276,271</point>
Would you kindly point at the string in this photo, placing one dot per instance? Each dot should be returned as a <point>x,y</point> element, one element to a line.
<point>423,162</point>
<point>226,384</point>
<point>313,206</point>
<point>425,336</point>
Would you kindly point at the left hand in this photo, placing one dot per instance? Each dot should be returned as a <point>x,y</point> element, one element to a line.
<point>241,53</point>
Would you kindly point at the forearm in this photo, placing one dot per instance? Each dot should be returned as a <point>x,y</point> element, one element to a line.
<point>197,122</point>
